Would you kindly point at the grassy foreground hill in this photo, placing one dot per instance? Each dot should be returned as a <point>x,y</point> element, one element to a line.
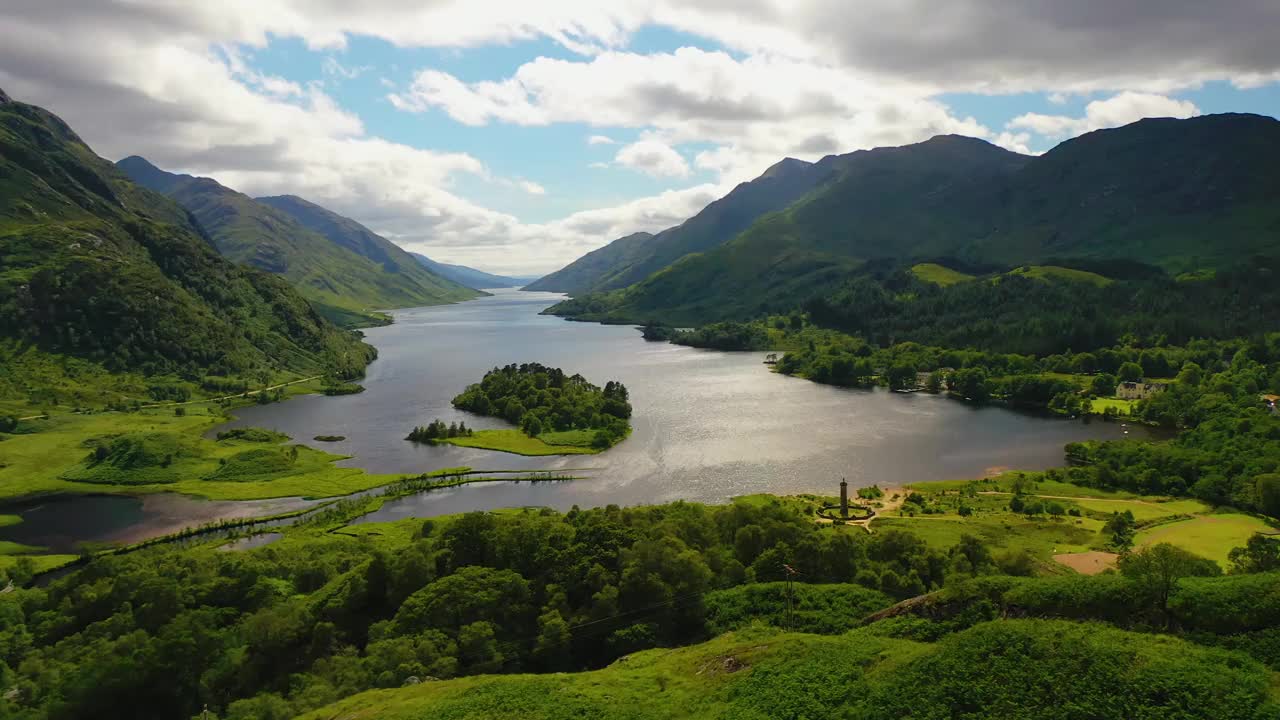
<point>1003,669</point>
<point>346,270</point>
<point>1183,195</point>
<point>99,275</point>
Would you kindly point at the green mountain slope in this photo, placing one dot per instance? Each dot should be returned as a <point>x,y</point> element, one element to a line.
<point>1180,194</point>
<point>335,274</point>
<point>586,272</point>
<point>97,267</point>
<point>639,256</point>
<point>364,242</point>
<point>470,277</point>
<point>1002,669</point>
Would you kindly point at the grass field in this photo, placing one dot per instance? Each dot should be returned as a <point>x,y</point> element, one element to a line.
<point>1208,534</point>
<point>516,442</point>
<point>1124,407</point>
<point>1044,272</point>
<point>1005,483</point>
<point>1211,536</point>
<point>1002,531</point>
<point>49,452</point>
<point>573,438</point>
<point>40,563</point>
<point>939,274</point>
<point>1144,510</point>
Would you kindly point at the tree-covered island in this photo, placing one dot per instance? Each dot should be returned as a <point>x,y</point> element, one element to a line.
<point>556,414</point>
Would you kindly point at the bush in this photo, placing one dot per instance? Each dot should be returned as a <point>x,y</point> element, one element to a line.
<point>825,609</point>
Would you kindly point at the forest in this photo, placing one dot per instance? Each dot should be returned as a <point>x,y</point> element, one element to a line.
<point>336,609</point>
<point>1018,313</point>
<point>540,399</point>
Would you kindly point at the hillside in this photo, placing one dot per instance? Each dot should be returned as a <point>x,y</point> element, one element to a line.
<point>96,267</point>
<point>364,242</point>
<point>470,277</point>
<point>1178,194</point>
<point>1002,669</point>
<point>344,269</point>
<point>639,256</point>
<point>583,274</point>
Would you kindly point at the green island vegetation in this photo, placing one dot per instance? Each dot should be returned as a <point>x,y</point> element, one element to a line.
<point>437,430</point>
<point>329,438</point>
<point>335,386</point>
<point>556,414</point>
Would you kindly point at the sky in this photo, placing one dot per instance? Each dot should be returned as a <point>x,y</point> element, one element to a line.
<point>514,136</point>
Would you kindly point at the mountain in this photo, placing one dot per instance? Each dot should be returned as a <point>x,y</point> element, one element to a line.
<point>585,273</point>
<point>630,259</point>
<point>364,242</point>
<point>469,277</point>
<point>1184,195</point>
<point>342,267</point>
<point>99,268</point>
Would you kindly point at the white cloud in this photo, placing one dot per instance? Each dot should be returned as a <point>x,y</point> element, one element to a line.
<point>1121,109</point>
<point>1017,142</point>
<point>598,165</point>
<point>331,66</point>
<point>653,158</point>
<point>801,78</point>
<point>755,109</point>
<point>600,140</point>
<point>532,188</point>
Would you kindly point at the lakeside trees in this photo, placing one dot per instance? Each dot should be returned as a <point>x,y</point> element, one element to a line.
<point>320,615</point>
<point>437,430</point>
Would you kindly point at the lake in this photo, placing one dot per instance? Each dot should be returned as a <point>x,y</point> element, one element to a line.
<point>707,425</point>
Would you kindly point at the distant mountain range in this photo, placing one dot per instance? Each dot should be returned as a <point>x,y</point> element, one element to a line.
<point>472,278</point>
<point>630,259</point>
<point>345,269</point>
<point>99,268</point>
<point>1183,195</point>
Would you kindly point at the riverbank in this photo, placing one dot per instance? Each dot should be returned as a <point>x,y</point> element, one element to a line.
<point>336,512</point>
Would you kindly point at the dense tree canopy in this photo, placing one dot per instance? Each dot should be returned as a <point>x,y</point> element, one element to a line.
<point>543,399</point>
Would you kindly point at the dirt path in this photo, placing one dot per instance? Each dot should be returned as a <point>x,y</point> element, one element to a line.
<point>232,397</point>
<point>1074,497</point>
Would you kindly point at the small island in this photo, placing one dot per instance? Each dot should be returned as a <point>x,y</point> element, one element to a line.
<point>554,413</point>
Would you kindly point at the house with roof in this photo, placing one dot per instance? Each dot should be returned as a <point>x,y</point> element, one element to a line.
<point>1138,390</point>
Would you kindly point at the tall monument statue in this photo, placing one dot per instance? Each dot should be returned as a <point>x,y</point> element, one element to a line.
<point>844,498</point>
